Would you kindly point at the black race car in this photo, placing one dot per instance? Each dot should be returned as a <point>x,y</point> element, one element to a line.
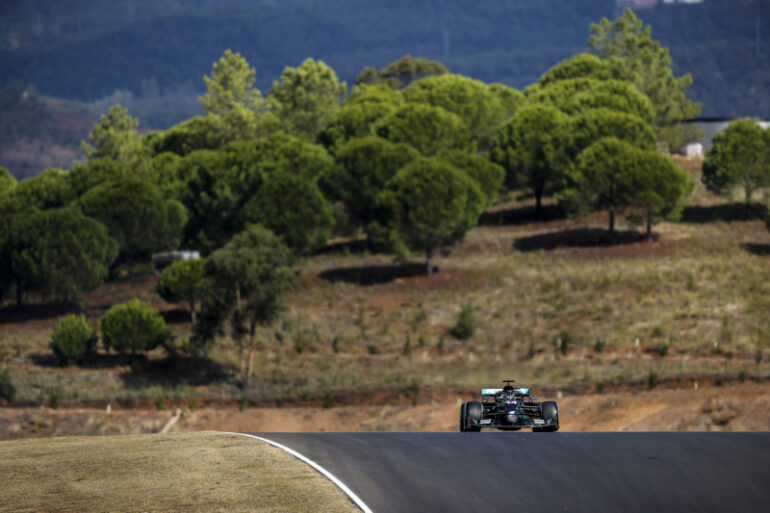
<point>510,408</point>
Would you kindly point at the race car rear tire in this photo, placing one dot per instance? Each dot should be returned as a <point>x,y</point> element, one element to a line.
<point>474,410</point>
<point>462,417</point>
<point>549,410</point>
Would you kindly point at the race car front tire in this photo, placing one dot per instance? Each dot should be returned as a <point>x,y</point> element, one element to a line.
<point>474,410</point>
<point>550,413</point>
<point>462,417</point>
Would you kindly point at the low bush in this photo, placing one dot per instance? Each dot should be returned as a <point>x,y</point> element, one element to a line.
<point>7,389</point>
<point>72,340</point>
<point>133,327</point>
<point>465,325</point>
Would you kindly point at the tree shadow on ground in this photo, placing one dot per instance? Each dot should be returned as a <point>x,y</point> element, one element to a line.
<point>757,249</point>
<point>579,238</point>
<point>93,361</point>
<point>522,215</point>
<point>176,316</point>
<point>36,312</point>
<point>375,274</point>
<point>175,370</point>
<point>728,212</point>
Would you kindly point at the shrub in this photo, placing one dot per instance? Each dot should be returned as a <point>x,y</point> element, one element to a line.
<point>72,340</point>
<point>243,403</point>
<point>599,345</point>
<point>54,396</point>
<point>653,379</point>
<point>7,390</point>
<point>328,401</point>
<point>179,283</point>
<point>661,349</point>
<point>465,325</point>
<point>160,403</point>
<point>133,327</point>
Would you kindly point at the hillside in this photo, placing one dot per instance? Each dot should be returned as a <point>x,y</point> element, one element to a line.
<point>559,304</point>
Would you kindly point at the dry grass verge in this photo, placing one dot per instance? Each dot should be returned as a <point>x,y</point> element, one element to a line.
<point>190,472</point>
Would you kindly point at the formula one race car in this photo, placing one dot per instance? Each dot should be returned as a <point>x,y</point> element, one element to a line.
<point>510,408</point>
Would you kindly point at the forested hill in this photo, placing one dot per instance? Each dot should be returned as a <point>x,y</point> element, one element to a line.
<point>158,51</point>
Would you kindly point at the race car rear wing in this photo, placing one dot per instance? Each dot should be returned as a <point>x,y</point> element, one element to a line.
<point>490,393</point>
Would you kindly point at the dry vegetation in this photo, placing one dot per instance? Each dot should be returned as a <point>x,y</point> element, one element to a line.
<point>557,303</point>
<point>191,472</point>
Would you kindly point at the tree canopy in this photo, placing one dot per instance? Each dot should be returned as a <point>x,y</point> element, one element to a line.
<point>243,287</point>
<point>137,216</point>
<point>115,137</point>
<point>532,148</point>
<point>365,166</point>
<point>231,85</point>
<point>307,97</point>
<point>739,157</point>
<point>58,252</point>
<point>179,283</point>
<point>426,128</point>
<point>629,43</point>
<point>429,204</point>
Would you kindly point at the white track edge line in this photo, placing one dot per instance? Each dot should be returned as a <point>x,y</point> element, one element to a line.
<point>351,495</point>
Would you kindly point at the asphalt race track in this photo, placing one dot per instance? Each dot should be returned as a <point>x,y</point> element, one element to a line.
<point>545,472</point>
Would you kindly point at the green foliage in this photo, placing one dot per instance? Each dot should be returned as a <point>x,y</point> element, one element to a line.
<point>7,181</point>
<point>307,97</point>
<point>328,401</point>
<point>160,403</point>
<point>294,208</point>
<point>532,148</point>
<point>7,388</point>
<point>59,252</point>
<point>115,137</point>
<point>614,95</point>
<point>243,285</point>
<point>54,395</point>
<point>488,175</point>
<point>72,340</point>
<point>659,188</point>
<point>474,102</point>
<point>84,177</point>
<point>231,85</point>
<point>740,156</point>
<point>137,216</point>
<point>591,125</point>
<point>426,205</point>
<point>133,327</point>
<point>426,128</point>
<point>356,118</point>
<point>210,201</point>
<point>583,65</point>
<point>49,189</point>
<point>648,65</point>
<point>402,72</point>
<point>365,166</point>
<point>179,283</point>
<point>511,100</point>
<point>613,175</point>
<point>466,323</point>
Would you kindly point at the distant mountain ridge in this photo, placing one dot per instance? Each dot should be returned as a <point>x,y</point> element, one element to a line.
<point>87,49</point>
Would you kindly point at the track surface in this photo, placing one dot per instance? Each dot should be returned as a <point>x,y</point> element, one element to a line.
<point>544,472</point>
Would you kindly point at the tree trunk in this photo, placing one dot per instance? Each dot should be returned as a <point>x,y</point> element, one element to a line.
<point>649,230</point>
<point>429,261</point>
<point>538,202</point>
<point>612,221</point>
<point>19,292</point>
<point>192,311</point>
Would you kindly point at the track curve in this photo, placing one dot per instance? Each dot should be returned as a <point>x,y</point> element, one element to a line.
<point>543,472</point>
